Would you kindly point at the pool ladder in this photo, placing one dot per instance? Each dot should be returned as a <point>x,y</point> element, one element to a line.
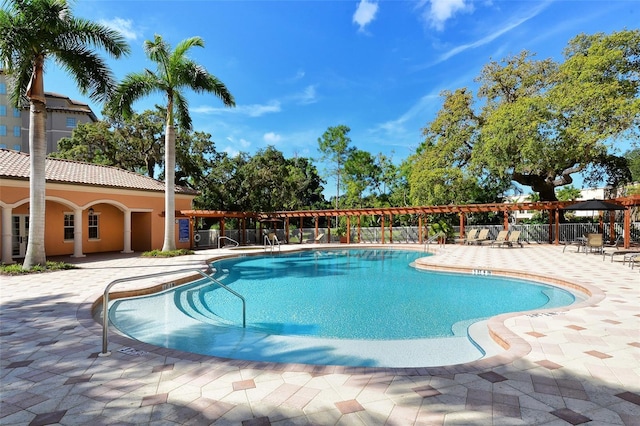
<point>270,241</point>
<point>105,299</point>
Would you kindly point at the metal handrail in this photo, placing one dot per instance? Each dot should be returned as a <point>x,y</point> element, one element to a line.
<point>430,240</point>
<point>268,241</point>
<point>230,239</point>
<point>105,300</point>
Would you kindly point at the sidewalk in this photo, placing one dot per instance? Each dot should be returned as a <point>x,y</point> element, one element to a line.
<point>565,367</point>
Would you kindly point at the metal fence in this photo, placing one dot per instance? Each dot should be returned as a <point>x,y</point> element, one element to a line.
<point>533,234</point>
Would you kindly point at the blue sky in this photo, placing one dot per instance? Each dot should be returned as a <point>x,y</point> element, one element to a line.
<point>298,67</point>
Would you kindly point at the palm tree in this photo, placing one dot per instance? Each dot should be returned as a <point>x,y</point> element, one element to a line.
<point>175,71</point>
<point>32,31</point>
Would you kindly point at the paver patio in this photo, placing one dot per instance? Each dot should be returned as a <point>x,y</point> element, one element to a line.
<point>576,366</point>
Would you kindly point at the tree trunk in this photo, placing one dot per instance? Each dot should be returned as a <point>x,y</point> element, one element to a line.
<point>35,254</point>
<point>169,191</point>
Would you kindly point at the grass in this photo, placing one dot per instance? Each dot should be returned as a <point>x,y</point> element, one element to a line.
<point>171,253</point>
<point>16,268</point>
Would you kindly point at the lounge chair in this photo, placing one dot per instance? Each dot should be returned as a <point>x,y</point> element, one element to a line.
<point>317,239</point>
<point>500,238</point>
<point>470,236</point>
<point>483,235</point>
<point>514,238</point>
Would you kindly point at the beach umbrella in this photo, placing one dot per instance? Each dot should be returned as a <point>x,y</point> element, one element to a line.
<point>595,205</point>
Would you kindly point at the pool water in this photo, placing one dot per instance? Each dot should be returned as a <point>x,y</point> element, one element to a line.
<point>359,307</point>
<point>359,294</point>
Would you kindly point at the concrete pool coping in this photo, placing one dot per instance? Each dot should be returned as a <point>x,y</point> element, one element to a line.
<point>581,365</point>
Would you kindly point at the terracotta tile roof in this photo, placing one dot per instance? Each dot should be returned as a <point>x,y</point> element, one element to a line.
<point>15,165</point>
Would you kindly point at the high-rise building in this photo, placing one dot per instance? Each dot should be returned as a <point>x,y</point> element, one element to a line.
<point>63,115</point>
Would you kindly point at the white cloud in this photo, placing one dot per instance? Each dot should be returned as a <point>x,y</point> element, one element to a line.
<point>253,110</point>
<point>123,26</point>
<point>272,138</point>
<point>425,104</point>
<point>441,10</point>
<point>232,149</point>
<point>306,97</point>
<point>365,13</point>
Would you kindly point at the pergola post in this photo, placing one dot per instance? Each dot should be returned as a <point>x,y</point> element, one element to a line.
<point>382,229</point>
<point>328,220</point>
<point>359,229</point>
<point>420,229</point>
<point>505,222</point>
<point>627,228</point>
<point>391,228</point>
<point>462,231</point>
<point>301,233</point>
<point>286,229</point>
<point>348,229</point>
<point>555,218</point>
<point>221,229</point>
<point>317,219</point>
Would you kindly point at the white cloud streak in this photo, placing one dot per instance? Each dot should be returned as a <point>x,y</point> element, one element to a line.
<point>254,110</point>
<point>490,37</point>
<point>123,26</point>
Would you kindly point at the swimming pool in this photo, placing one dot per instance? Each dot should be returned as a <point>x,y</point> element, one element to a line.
<point>344,307</point>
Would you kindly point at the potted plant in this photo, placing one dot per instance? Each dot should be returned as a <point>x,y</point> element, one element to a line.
<point>341,230</point>
<point>442,230</point>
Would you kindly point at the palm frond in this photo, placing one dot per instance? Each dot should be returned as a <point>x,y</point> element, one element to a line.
<point>133,87</point>
<point>84,32</point>
<point>182,109</point>
<point>90,72</point>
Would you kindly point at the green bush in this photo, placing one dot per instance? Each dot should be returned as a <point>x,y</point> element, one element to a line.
<point>16,268</point>
<point>171,253</point>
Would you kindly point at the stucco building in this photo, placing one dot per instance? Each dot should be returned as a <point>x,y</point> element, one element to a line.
<point>89,208</point>
<point>63,115</point>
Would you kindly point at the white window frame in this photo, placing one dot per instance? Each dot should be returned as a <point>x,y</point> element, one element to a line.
<point>68,224</point>
<point>95,217</point>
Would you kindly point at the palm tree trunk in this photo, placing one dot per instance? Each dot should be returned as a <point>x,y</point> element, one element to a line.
<point>35,254</point>
<point>38,149</point>
<point>169,191</point>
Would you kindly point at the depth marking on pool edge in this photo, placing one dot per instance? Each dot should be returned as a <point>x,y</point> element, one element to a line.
<point>481,272</point>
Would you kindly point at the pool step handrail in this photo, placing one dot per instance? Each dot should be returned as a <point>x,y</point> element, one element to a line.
<point>105,299</point>
<point>431,239</point>
<point>270,241</point>
<point>227,238</point>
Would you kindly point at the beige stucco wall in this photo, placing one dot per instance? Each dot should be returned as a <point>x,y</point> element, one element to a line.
<point>146,209</point>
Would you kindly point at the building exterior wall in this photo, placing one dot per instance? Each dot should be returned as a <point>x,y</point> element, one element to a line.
<point>63,115</point>
<point>110,205</point>
<point>10,120</point>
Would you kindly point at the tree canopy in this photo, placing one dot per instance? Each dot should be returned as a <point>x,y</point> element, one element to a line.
<point>535,123</point>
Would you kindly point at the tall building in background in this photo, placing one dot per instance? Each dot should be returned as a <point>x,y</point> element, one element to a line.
<point>63,115</point>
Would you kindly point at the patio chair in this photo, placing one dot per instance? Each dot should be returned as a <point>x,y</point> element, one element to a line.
<point>483,235</point>
<point>471,234</point>
<point>594,243</point>
<point>500,238</point>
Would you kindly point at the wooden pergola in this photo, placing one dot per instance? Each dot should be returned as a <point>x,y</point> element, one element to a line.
<point>553,207</point>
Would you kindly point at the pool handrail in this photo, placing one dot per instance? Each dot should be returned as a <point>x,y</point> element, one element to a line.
<point>431,239</point>
<point>105,300</point>
<point>227,238</point>
<point>271,241</point>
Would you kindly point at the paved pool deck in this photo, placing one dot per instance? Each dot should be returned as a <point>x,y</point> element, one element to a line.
<point>575,366</point>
